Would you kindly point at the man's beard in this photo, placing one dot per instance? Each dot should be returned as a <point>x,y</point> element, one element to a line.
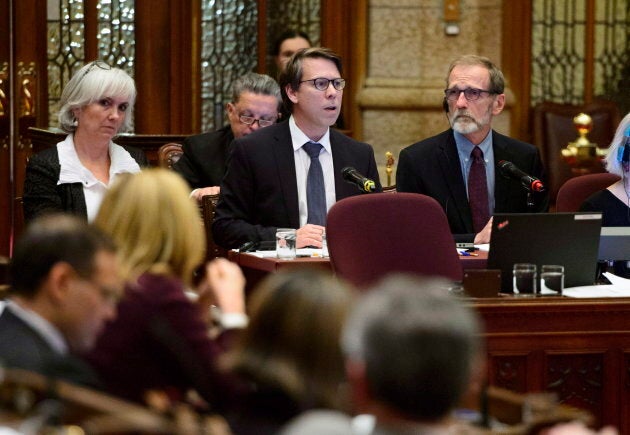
<point>464,123</point>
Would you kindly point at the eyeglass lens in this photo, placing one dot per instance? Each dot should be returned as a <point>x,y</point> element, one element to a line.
<point>323,83</point>
<point>470,94</point>
<point>249,120</point>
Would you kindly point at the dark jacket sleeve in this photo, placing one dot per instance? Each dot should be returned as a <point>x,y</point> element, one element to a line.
<point>232,223</point>
<point>41,192</point>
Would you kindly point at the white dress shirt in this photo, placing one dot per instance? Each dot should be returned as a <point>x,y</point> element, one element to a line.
<point>303,162</point>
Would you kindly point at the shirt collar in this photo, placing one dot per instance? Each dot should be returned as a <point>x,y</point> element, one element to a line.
<point>43,327</point>
<point>299,138</point>
<point>73,171</point>
<point>465,147</point>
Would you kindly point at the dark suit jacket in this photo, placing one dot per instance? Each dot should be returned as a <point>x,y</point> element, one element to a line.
<point>432,167</point>
<point>41,192</point>
<point>205,158</point>
<point>259,192</point>
<point>22,347</point>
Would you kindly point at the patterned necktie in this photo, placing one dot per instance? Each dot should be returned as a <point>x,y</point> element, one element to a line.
<point>478,190</point>
<point>315,191</point>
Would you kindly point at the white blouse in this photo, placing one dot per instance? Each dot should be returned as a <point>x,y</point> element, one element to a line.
<point>73,171</point>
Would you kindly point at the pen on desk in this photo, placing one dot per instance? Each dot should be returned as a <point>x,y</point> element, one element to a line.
<point>468,254</point>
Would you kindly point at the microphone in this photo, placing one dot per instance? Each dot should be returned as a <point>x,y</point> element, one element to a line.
<point>530,183</point>
<point>353,176</point>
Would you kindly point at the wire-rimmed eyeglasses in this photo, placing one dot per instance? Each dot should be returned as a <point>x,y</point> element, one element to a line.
<point>321,83</point>
<point>471,94</point>
<point>249,120</point>
<point>96,63</point>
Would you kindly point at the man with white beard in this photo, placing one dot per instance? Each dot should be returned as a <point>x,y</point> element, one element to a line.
<point>459,166</point>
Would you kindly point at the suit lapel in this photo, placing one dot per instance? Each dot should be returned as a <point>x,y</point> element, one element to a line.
<point>450,165</point>
<point>285,171</point>
<point>501,185</point>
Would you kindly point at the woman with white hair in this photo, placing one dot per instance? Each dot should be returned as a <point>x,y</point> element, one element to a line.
<point>614,201</point>
<point>96,104</point>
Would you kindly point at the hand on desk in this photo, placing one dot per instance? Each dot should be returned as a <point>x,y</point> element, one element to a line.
<point>483,236</point>
<point>310,235</point>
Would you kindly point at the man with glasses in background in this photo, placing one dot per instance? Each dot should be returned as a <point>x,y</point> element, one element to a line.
<point>289,175</point>
<point>459,166</point>
<point>255,104</point>
<point>65,285</point>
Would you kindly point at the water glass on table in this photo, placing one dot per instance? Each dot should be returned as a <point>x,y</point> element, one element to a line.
<point>286,239</point>
<point>551,279</point>
<point>524,279</point>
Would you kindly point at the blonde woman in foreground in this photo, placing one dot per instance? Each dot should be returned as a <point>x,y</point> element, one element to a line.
<point>159,340</point>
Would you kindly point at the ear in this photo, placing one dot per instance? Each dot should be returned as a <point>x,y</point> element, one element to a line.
<point>498,104</point>
<point>58,281</point>
<point>292,94</point>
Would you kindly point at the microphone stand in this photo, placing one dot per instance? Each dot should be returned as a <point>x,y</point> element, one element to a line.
<point>530,201</point>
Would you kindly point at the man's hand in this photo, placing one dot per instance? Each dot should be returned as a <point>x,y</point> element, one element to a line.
<point>203,191</point>
<point>483,236</point>
<point>310,235</point>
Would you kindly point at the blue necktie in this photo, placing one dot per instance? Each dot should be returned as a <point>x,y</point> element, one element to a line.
<point>315,191</point>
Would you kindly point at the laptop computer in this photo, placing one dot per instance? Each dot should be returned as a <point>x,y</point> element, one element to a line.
<point>568,239</point>
<point>614,243</point>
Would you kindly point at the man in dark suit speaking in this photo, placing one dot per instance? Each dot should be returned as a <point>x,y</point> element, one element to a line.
<point>65,285</point>
<point>289,174</point>
<point>255,104</point>
<point>459,166</point>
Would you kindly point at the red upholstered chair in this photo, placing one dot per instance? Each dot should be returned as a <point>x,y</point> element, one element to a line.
<point>372,235</point>
<point>575,190</point>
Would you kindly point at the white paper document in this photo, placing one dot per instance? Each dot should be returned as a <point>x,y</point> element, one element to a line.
<point>619,288</point>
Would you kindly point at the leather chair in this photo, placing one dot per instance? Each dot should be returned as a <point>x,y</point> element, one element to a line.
<point>372,235</point>
<point>168,154</point>
<point>208,206</point>
<point>554,129</point>
<point>573,193</point>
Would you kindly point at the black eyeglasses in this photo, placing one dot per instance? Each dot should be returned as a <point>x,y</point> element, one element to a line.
<point>249,120</point>
<point>321,83</point>
<point>471,94</point>
<point>96,63</point>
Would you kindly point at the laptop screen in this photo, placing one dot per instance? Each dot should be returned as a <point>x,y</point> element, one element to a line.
<point>568,239</point>
<point>614,243</point>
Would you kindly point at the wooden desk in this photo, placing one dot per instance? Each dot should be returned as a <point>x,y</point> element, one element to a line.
<point>577,348</point>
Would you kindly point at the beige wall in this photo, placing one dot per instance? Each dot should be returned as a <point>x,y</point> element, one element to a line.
<point>408,54</point>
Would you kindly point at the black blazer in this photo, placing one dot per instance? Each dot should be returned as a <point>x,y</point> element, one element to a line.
<point>259,192</point>
<point>204,160</point>
<point>432,167</point>
<point>22,347</point>
<point>41,192</point>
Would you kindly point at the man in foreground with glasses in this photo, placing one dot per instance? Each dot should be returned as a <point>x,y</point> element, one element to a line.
<point>459,166</point>
<point>289,175</point>
<point>255,104</point>
<point>65,285</point>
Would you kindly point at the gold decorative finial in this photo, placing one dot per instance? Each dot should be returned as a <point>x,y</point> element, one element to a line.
<point>388,167</point>
<point>582,152</point>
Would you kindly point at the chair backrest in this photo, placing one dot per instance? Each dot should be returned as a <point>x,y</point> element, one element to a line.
<point>208,206</point>
<point>573,193</point>
<point>554,129</point>
<point>372,235</point>
<point>168,154</point>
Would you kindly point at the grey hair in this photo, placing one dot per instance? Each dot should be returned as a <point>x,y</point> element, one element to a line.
<point>497,81</point>
<point>256,83</point>
<point>92,82</point>
<point>409,332</point>
<point>612,162</point>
